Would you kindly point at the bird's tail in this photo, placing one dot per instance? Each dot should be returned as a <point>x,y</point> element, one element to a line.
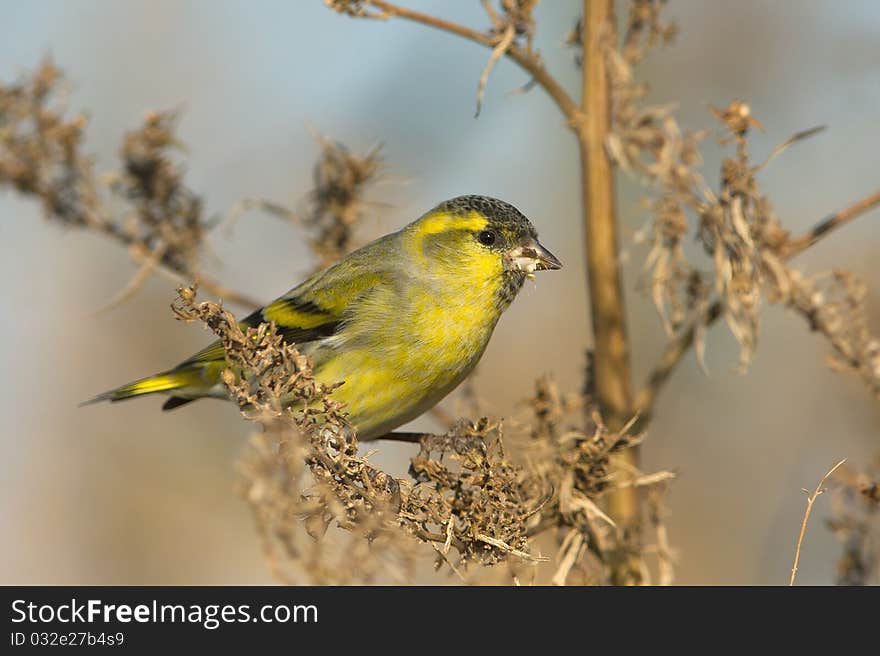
<point>167,381</point>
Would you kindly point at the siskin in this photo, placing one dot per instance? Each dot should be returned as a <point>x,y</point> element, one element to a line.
<point>402,321</point>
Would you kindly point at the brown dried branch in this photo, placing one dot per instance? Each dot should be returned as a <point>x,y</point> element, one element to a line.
<point>303,474</point>
<point>584,469</point>
<point>611,379</point>
<point>681,344</point>
<point>646,29</point>
<point>41,157</point>
<point>736,226</point>
<point>304,478</point>
<point>677,348</point>
<point>811,499</point>
<point>514,20</point>
<point>498,52</point>
<point>611,367</point>
<point>830,224</point>
<point>524,56</point>
<point>245,205</point>
<point>335,204</point>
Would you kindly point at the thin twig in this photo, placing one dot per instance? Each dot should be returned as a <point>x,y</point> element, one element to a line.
<point>142,254</point>
<point>648,479</point>
<point>245,205</point>
<point>443,556</point>
<point>223,292</point>
<point>527,60</point>
<point>672,355</point>
<point>830,224</point>
<point>571,548</point>
<point>497,53</point>
<point>500,544</point>
<point>811,499</point>
<point>147,267</point>
<point>792,140</point>
<point>408,438</point>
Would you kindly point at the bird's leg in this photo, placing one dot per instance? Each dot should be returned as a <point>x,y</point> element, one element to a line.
<point>410,438</point>
<point>437,443</point>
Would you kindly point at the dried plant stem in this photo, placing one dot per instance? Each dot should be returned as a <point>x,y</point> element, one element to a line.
<point>225,293</point>
<point>811,499</point>
<point>678,347</point>
<point>611,365</point>
<point>672,355</point>
<point>603,265</point>
<point>156,260</point>
<point>406,437</point>
<point>830,224</point>
<point>527,60</point>
<point>148,266</point>
<point>215,288</point>
<point>497,53</point>
<point>591,122</point>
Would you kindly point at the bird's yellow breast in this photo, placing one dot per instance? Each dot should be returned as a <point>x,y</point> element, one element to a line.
<point>396,366</point>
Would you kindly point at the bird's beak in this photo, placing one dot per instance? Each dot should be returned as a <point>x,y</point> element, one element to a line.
<point>532,256</point>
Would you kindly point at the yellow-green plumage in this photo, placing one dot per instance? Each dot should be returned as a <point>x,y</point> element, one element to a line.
<point>402,321</point>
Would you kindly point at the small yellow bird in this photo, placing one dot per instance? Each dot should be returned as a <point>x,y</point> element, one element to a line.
<point>402,321</point>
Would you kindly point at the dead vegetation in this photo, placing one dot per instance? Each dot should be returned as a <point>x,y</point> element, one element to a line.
<point>556,495</point>
<point>303,474</point>
<point>855,522</point>
<point>811,500</point>
<point>144,206</point>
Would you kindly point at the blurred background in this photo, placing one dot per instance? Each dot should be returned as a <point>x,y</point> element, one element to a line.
<point>128,494</point>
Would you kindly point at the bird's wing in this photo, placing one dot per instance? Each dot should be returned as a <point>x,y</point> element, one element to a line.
<point>297,320</point>
<point>317,308</point>
<point>312,312</point>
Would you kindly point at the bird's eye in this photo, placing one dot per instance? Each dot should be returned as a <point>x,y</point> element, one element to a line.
<point>486,237</point>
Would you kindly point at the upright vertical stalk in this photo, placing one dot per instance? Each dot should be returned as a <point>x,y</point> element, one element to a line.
<point>591,122</point>
<point>612,376</point>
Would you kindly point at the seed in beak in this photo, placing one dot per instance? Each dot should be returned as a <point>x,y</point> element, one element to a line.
<point>534,257</point>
